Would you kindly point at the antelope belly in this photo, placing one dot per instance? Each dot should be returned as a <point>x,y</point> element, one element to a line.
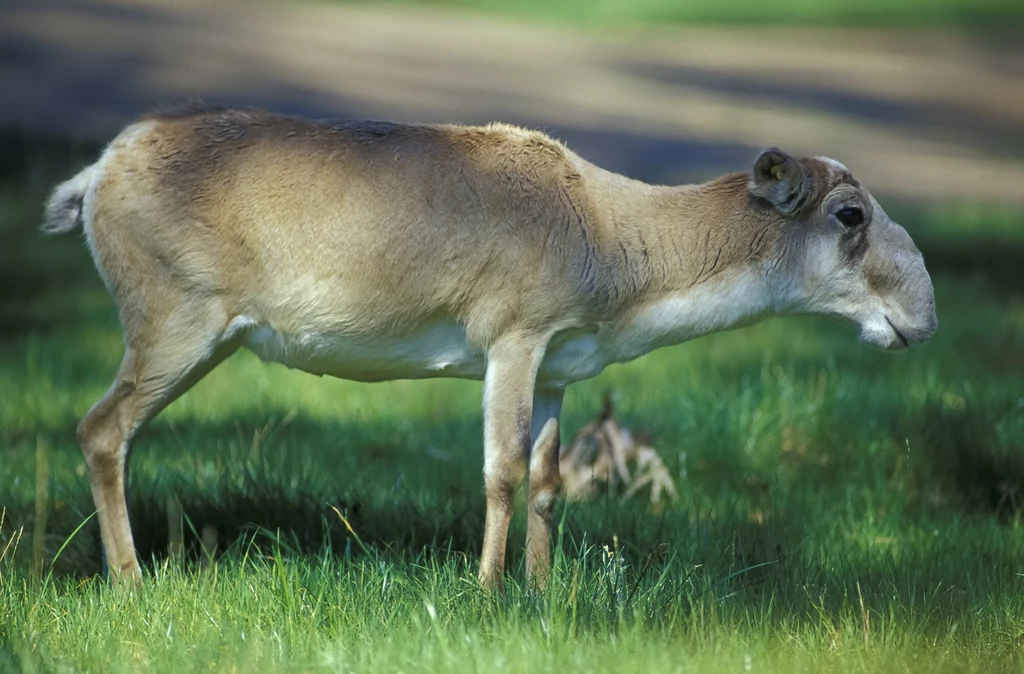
<point>435,350</point>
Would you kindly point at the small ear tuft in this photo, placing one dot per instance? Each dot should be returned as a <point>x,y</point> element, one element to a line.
<point>781,180</point>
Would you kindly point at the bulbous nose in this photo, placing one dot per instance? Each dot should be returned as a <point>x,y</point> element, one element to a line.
<point>924,330</point>
<point>922,319</point>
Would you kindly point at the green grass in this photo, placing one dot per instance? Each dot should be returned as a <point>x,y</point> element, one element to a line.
<point>842,509</point>
<point>957,14</point>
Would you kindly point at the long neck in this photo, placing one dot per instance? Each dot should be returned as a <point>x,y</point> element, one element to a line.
<point>667,239</point>
<point>690,259</point>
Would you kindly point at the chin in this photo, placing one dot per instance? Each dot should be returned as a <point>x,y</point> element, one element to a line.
<point>895,345</point>
<point>882,338</point>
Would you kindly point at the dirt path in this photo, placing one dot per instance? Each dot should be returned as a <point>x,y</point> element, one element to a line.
<point>921,115</point>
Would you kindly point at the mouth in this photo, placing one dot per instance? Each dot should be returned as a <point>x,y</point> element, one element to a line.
<point>903,340</point>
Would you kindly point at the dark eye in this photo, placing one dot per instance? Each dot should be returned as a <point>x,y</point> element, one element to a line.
<point>851,217</point>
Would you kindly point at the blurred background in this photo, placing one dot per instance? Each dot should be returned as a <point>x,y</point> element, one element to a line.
<point>923,100</point>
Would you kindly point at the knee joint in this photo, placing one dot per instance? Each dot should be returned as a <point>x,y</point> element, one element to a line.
<point>506,469</point>
<point>543,503</point>
<point>505,475</point>
<point>100,440</point>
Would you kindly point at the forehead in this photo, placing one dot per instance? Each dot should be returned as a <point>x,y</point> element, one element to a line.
<point>827,174</point>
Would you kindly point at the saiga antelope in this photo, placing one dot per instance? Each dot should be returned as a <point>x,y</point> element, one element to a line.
<point>374,251</point>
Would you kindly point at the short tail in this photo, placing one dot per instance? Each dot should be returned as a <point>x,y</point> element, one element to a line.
<point>64,209</point>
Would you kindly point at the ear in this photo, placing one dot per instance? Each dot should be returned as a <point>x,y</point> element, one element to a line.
<point>780,180</point>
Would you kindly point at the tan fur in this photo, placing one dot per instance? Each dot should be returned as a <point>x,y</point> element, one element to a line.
<point>374,250</point>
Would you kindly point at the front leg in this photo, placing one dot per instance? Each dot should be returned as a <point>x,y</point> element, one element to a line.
<point>512,364</point>
<point>545,481</point>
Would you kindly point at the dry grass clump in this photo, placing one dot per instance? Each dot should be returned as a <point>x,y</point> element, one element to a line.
<point>600,457</point>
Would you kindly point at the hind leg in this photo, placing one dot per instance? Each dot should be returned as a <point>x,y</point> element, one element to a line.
<point>545,481</point>
<point>157,368</point>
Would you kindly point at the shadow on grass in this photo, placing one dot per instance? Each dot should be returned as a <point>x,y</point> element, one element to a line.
<point>259,502</point>
<point>969,467</point>
<point>400,503</point>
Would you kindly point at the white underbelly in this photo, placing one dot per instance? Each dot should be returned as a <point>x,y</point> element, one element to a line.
<point>436,350</point>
